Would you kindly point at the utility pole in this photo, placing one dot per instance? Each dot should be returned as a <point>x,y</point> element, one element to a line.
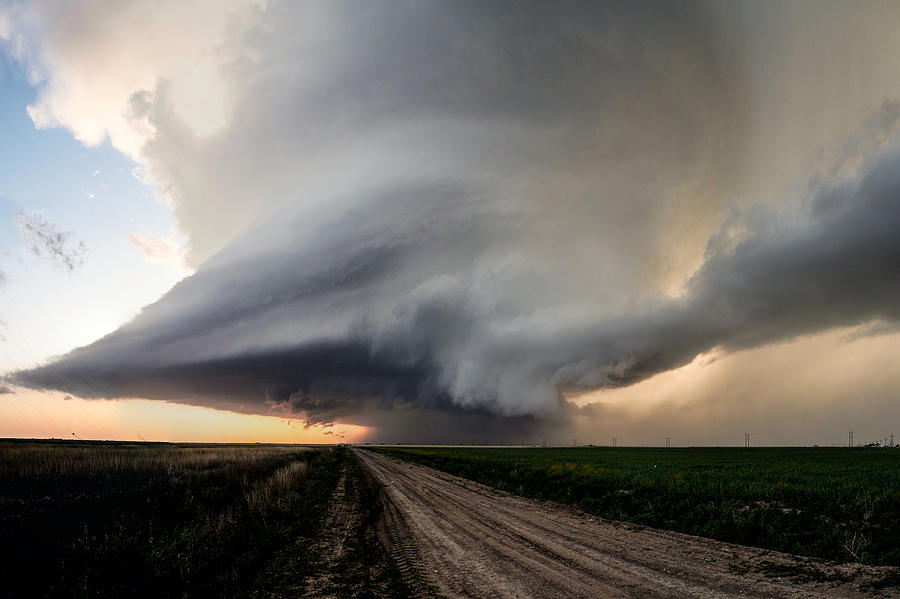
<point>850,441</point>
<point>746,439</point>
<point>614,441</point>
<point>892,439</point>
<point>668,442</point>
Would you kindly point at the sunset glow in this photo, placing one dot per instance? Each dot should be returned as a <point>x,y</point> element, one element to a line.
<point>54,415</point>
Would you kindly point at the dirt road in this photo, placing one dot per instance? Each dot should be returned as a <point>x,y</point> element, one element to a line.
<point>456,538</point>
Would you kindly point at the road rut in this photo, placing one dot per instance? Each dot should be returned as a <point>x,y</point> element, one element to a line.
<point>456,538</point>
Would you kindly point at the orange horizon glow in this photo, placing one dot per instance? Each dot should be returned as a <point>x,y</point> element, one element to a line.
<point>29,414</point>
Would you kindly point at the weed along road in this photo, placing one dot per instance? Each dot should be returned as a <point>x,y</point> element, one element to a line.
<point>456,538</point>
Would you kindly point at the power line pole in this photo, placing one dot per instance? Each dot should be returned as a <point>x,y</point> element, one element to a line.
<point>892,439</point>
<point>746,439</point>
<point>850,440</point>
<point>614,441</point>
<point>668,442</point>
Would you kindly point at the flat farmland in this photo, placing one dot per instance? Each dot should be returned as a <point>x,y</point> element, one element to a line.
<point>840,504</point>
<point>100,519</point>
<point>104,519</point>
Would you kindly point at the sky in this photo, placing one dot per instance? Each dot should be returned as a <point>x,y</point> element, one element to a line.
<point>450,222</point>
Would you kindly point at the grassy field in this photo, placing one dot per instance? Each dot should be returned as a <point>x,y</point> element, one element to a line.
<point>161,520</point>
<point>839,504</point>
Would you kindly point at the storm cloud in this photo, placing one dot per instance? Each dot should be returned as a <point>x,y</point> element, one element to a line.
<point>463,212</point>
<point>339,319</point>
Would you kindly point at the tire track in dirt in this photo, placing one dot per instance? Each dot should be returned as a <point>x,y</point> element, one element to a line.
<point>458,538</point>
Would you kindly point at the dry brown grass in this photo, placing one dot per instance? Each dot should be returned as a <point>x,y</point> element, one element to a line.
<point>262,498</point>
<point>39,460</point>
<point>189,520</point>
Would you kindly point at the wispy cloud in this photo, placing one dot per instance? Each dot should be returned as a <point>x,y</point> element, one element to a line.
<point>160,249</point>
<point>872,329</point>
<point>44,239</point>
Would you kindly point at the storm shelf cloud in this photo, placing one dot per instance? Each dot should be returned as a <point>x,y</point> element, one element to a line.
<point>339,319</point>
<point>462,213</point>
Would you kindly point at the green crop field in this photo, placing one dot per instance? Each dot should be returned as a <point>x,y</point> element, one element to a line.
<point>839,504</point>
